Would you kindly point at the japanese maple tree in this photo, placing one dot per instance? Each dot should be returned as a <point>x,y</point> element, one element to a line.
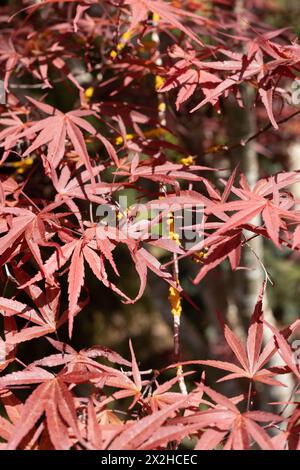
<point>93,91</point>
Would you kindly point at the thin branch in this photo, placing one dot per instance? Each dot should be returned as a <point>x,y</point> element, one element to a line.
<point>243,143</point>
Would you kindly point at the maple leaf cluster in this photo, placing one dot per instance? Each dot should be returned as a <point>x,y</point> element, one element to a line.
<point>72,158</point>
<point>157,415</point>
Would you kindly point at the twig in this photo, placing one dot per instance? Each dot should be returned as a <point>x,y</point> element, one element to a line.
<point>242,143</point>
<point>267,275</point>
<point>174,296</point>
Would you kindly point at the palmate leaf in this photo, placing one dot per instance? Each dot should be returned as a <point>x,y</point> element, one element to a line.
<point>260,66</point>
<point>127,384</point>
<point>162,395</point>
<point>253,358</point>
<point>136,434</point>
<point>53,131</point>
<point>78,364</point>
<point>167,13</point>
<point>228,246</point>
<point>13,408</point>
<point>268,198</point>
<point>86,250</point>
<point>52,398</point>
<point>77,251</point>
<point>285,351</point>
<point>68,355</point>
<point>78,186</point>
<point>166,173</point>
<point>34,227</point>
<point>44,324</point>
<point>45,317</point>
<point>225,424</point>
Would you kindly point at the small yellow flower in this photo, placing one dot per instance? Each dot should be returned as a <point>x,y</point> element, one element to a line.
<point>159,82</point>
<point>89,92</point>
<point>21,165</point>
<point>162,107</point>
<point>187,161</point>
<point>119,140</point>
<point>113,54</point>
<point>120,46</point>
<point>148,134</point>
<point>127,35</point>
<point>200,256</point>
<point>156,17</point>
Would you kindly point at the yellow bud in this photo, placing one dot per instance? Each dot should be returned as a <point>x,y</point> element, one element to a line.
<point>156,17</point>
<point>159,81</point>
<point>20,165</point>
<point>120,46</point>
<point>200,256</point>
<point>28,161</point>
<point>89,92</point>
<point>113,54</point>
<point>119,140</point>
<point>127,35</point>
<point>187,161</point>
<point>162,107</point>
